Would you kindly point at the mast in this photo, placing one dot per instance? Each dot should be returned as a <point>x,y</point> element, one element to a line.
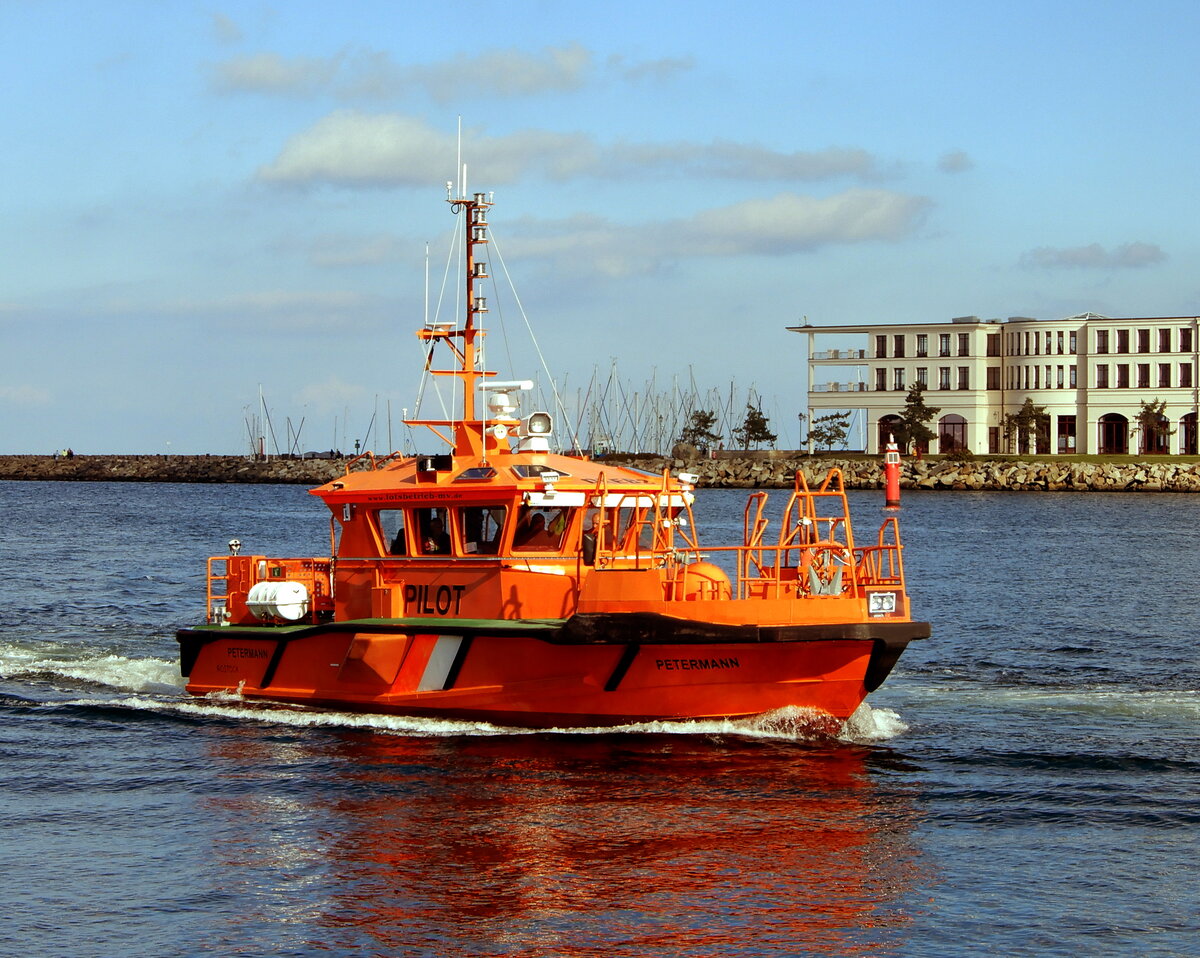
<point>465,340</point>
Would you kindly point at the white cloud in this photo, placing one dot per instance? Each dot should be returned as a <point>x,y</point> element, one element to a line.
<point>271,73</point>
<point>506,73</point>
<point>1094,256</point>
<point>956,161</point>
<point>782,225</point>
<point>225,30</point>
<point>332,395</point>
<point>790,223</point>
<point>356,149</point>
<point>375,74</point>
<point>24,395</point>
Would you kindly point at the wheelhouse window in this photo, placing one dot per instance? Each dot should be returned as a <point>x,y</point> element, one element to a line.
<point>536,471</point>
<point>540,528</point>
<point>480,528</point>
<point>390,523</point>
<point>476,474</point>
<point>433,531</point>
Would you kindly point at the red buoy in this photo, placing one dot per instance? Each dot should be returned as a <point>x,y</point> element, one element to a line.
<point>891,474</point>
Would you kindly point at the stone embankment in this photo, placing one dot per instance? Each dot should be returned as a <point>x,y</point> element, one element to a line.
<point>311,472</point>
<point>761,471</point>
<point>982,474</point>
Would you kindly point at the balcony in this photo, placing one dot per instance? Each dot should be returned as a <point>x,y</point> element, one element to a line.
<point>840,388</point>
<point>840,354</point>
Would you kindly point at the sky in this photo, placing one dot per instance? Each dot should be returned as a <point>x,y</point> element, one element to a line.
<point>212,209</point>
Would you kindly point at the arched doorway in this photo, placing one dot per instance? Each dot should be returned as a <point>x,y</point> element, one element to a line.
<point>1114,434</point>
<point>888,426</point>
<point>1156,437</point>
<point>952,433</point>
<point>1187,435</point>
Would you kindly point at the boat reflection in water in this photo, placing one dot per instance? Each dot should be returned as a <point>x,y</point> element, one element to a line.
<point>615,844</point>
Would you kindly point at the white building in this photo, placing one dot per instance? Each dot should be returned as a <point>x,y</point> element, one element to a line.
<point>1091,374</point>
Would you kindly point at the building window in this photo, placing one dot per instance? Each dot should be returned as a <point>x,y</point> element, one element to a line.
<point>880,347</point>
<point>943,377</point>
<point>964,380</point>
<point>1025,351</point>
<point>898,349</point>
<point>964,344</point>
<point>898,379</point>
<point>1143,340</point>
<point>1164,340</point>
<point>923,377</point>
<point>1062,377</point>
<point>1072,341</point>
<point>922,344</point>
<point>1101,340</point>
<point>1143,375</point>
<point>880,380</point>
<point>1164,374</point>
<point>1048,350</point>
<point>1185,340</point>
<point>1122,340</point>
<point>993,344</point>
<point>993,377</point>
<point>1122,375</point>
<point>1037,345</point>
<point>1037,377</point>
<point>943,344</point>
<point>1071,377</point>
<point>1185,375</point>
<point>952,433</point>
<point>1061,342</point>
<point>1102,377</point>
<point>1066,434</point>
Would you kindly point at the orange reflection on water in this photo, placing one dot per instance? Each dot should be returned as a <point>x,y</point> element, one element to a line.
<point>604,844</point>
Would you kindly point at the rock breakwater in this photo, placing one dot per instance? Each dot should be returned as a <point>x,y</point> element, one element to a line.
<point>943,474</point>
<point>724,472</point>
<point>310,472</point>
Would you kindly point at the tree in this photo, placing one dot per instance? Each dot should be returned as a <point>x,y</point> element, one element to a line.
<point>1029,419</point>
<point>912,427</point>
<point>1154,427</point>
<point>754,428</point>
<point>699,430</point>
<point>830,430</point>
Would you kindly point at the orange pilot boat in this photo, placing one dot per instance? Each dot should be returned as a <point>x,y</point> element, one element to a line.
<point>504,582</point>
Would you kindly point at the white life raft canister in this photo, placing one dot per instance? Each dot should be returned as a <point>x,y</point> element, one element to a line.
<point>278,600</point>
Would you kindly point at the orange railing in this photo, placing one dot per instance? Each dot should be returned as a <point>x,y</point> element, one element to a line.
<point>813,553</point>
<point>230,579</point>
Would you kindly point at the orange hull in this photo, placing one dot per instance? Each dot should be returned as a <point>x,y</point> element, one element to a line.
<point>539,680</point>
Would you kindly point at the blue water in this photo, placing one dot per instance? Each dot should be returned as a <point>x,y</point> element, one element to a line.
<point>1026,783</point>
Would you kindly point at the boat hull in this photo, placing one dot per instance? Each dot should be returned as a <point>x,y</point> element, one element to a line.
<point>544,674</point>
